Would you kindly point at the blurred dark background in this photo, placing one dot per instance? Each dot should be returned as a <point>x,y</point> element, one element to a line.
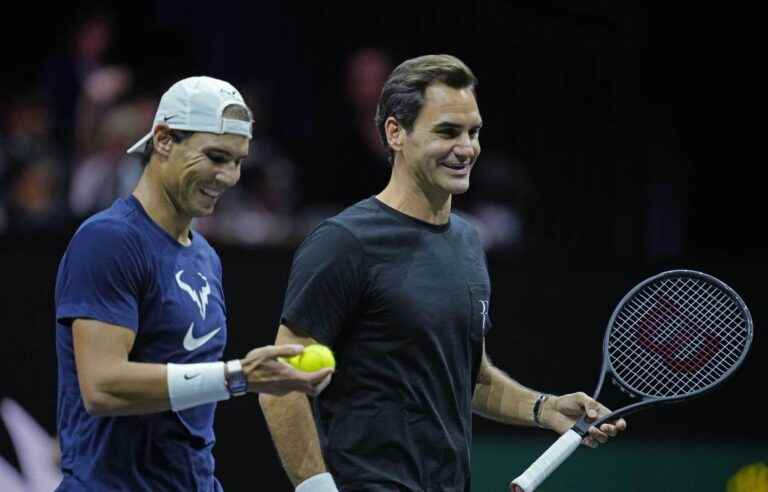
<point>618,142</point>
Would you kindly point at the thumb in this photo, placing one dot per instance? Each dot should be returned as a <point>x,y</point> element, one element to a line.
<point>585,404</point>
<point>319,375</point>
<point>591,408</point>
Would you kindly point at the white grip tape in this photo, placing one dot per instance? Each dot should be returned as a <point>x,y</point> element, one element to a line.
<point>547,463</point>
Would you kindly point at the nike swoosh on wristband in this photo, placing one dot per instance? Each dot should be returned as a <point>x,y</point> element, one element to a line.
<point>191,343</point>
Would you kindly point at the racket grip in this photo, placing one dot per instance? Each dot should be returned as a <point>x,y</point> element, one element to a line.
<point>546,463</point>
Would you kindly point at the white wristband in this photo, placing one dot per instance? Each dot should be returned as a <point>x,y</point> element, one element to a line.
<point>190,385</point>
<point>318,483</point>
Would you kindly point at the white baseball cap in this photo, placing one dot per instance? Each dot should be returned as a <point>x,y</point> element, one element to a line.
<point>197,104</point>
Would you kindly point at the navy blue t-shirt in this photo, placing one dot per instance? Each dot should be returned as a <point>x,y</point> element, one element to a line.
<point>121,268</point>
<point>404,304</point>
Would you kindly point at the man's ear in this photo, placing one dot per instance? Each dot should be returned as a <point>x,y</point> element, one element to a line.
<point>163,142</point>
<point>395,134</point>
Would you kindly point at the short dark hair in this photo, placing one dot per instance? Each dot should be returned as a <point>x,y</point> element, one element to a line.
<point>403,93</point>
<point>233,111</point>
<point>149,148</point>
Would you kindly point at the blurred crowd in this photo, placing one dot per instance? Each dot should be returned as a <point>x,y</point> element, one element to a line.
<point>62,153</point>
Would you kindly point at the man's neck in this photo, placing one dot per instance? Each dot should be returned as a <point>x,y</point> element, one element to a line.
<point>161,209</point>
<point>405,195</point>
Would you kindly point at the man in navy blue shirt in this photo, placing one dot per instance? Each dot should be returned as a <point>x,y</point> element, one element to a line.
<point>140,312</point>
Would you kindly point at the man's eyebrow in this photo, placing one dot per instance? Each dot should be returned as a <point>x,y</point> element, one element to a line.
<point>452,125</point>
<point>447,124</point>
<point>224,152</point>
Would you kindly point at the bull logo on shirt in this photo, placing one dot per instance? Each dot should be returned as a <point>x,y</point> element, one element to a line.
<point>200,298</point>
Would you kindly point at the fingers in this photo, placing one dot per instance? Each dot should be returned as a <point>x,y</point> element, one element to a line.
<point>595,410</point>
<point>268,372</point>
<point>594,438</point>
<point>316,381</point>
<point>284,350</point>
<point>273,351</point>
<point>569,408</point>
<point>318,376</point>
<point>322,385</point>
<point>598,436</point>
<point>279,378</point>
<point>589,442</point>
<point>606,431</point>
<point>313,383</point>
<point>613,428</point>
<point>609,430</point>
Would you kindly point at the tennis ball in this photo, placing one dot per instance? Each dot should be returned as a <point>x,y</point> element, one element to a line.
<point>314,357</point>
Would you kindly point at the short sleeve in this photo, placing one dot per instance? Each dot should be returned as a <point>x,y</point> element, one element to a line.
<point>326,282</point>
<point>101,276</point>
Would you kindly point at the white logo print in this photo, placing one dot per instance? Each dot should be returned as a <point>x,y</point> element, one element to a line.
<point>484,312</point>
<point>191,343</point>
<point>202,299</point>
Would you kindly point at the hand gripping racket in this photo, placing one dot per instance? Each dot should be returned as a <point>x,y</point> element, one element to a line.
<point>676,335</point>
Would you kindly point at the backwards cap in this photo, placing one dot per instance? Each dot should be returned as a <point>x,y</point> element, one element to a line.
<point>197,104</point>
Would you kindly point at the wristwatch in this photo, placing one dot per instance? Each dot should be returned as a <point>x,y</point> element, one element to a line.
<point>236,382</point>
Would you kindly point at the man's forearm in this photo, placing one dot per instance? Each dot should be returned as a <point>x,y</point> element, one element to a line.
<point>499,397</point>
<point>293,430</point>
<point>134,388</point>
<point>128,388</point>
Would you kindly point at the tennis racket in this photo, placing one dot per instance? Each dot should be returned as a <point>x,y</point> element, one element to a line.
<point>675,336</point>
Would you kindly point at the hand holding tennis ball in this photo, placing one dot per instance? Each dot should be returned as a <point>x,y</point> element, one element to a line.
<point>313,358</point>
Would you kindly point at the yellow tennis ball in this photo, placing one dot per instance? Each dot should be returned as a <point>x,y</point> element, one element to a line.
<point>750,478</point>
<point>314,358</point>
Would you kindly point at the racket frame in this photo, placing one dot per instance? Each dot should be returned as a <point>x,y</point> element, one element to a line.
<point>561,449</point>
<point>582,426</point>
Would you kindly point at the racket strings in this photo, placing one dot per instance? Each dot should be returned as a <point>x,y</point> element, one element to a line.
<point>685,362</point>
<point>677,336</point>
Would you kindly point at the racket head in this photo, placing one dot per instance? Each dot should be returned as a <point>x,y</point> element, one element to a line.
<point>676,335</point>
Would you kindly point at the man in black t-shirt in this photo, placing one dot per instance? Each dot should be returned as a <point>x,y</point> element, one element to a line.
<point>398,286</point>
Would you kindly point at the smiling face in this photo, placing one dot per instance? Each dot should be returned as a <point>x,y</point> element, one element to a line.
<point>200,169</point>
<point>444,143</point>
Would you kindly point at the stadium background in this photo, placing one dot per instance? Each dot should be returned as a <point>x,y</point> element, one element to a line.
<point>617,142</point>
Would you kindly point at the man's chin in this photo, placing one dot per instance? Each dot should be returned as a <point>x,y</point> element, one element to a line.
<point>200,211</point>
<point>456,188</point>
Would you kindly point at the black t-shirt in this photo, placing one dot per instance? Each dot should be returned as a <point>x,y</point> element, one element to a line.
<point>404,304</point>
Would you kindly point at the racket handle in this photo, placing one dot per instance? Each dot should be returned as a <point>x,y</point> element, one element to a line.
<point>546,463</point>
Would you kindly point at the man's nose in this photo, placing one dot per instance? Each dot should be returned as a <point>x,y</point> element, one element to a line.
<point>464,150</point>
<point>229,175</point>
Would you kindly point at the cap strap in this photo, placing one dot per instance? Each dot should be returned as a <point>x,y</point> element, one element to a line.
<point>238,127</point>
